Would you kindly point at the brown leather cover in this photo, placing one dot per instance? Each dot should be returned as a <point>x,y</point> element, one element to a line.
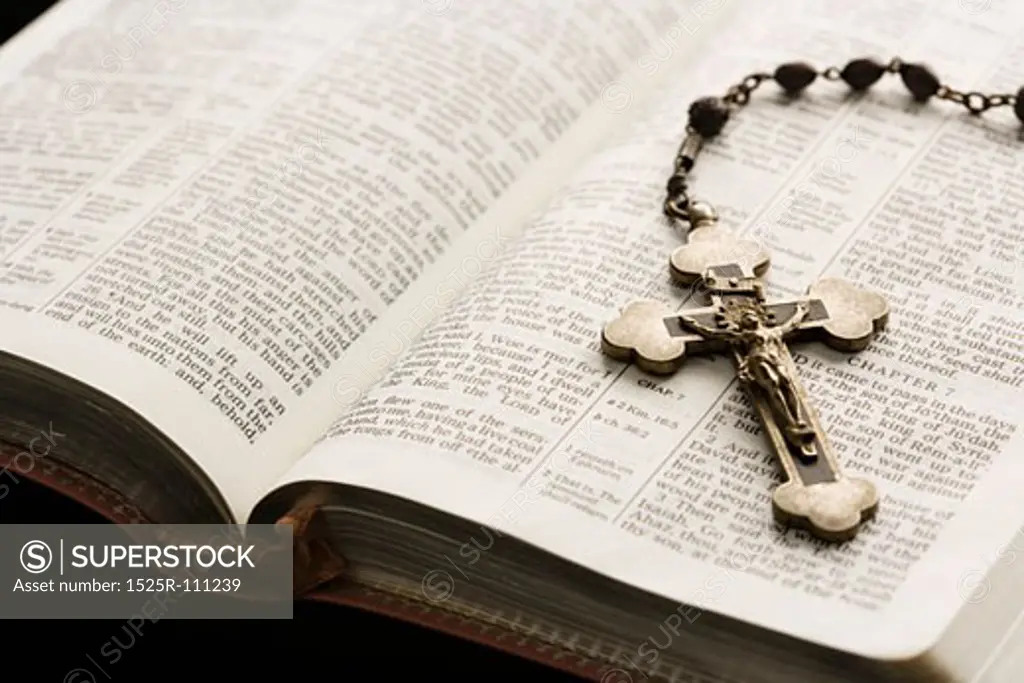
<point>67,481</point>
<point>319,575</point>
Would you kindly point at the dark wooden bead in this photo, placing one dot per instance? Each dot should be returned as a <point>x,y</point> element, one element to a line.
<point>676,185</point>
<point>708,116</point>
<point>1018,105</point>
<point>920,81</point>
<point>861,74</point>
<point>795,76</point>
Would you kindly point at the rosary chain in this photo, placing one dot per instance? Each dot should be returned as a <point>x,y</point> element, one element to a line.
<point>708,115</point>
<point>739,94</point>
<point>975,102</point>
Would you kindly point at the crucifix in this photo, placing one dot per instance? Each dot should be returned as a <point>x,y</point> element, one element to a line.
<point>740,322</point>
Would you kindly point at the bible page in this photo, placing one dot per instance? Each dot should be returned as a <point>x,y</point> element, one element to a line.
<point>204,204</point>
<point>505,411</point>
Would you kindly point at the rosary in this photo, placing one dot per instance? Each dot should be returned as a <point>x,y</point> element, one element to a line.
<point>725,270</point>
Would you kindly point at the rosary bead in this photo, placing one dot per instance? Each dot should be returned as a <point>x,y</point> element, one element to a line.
<point>861,74</point>
<point>795,76</point>
<point>920,81</point>
<point>708,116</point>
<point>1018,105</point>
<point>701,212</point>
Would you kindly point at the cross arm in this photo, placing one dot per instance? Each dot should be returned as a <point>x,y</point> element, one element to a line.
<point>653,336</point>
<point>800,310</point>
<point>840,314</point>
<point>700,329</point>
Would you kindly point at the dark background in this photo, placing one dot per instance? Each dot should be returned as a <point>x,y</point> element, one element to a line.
<point>321,642</point>
<point>18,14</point>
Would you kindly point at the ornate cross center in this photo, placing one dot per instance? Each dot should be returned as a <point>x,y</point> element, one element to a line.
<point>741,323</point>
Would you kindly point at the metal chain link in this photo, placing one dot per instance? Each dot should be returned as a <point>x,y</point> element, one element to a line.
<point>975,102</point>
<point>739,94</point>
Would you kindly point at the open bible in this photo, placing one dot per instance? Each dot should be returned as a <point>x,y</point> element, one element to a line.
<point>347,264</point>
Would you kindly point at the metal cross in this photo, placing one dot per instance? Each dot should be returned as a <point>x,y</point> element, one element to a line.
<point>740,322</point>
